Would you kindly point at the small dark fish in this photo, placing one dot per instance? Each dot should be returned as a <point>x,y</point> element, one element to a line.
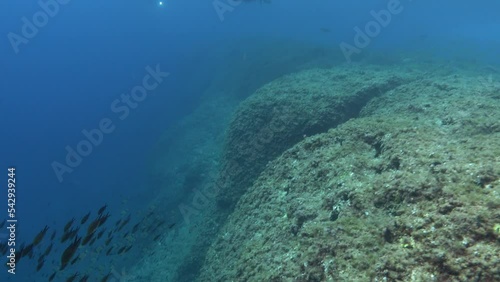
<point>124,223</point>
<point>69,252</point>
<point>40,235</point>
<point>20,253</point>
<point>150,228</point>
<point>128,248</point>
<point>101,210</point>
<point>93,225</point>
<point>74,232</point>
<point>136,226</point>
<point>75,260</point>
<point>121,250</point>
<point>161,223</point>
<point>125,235</point>
<point>108,241</point>
<point>105,278</point>
<point>99,235</point>
<point>118,222</point>
<point>110,233</point>
<point>40,265</point>
<point>156,237</point>
<point>87,239</point>
<point>51,277</point>
<point>42,257</point>
<point>68,225</point>
<point>48,249</point>
<point>85,278</point>
<point>103,219</point>
<point>69,235</point>
<point>423,36</point>
<point>92,241</point>
<point>157,226</point>
<point>85,218</point>
<point>171,225</point>
<point>325,29</point>
<point>65,237</point>
<point>53,235</point>
<point>3,248</point>
<point>72,277</point>
<point>28,250</point>
<point>109,251</point>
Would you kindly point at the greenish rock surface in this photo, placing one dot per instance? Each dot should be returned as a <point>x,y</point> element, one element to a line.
<point>406,187</point>
<point>287,110</point>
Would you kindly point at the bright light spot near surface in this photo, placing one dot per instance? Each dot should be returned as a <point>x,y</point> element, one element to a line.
<point>160,3</point>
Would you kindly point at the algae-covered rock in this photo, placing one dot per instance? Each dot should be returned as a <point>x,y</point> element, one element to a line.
<point>409,191</point>
<point>289,109</point>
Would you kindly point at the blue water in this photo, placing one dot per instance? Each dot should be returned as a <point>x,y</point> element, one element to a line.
<point>65,78</point>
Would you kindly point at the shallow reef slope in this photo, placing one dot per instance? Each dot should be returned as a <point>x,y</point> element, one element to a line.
<point>404,187</point>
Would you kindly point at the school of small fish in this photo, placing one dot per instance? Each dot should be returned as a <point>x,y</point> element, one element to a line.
<point>78,237</point>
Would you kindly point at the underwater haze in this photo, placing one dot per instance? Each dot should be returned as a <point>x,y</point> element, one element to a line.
<point>250,140</point>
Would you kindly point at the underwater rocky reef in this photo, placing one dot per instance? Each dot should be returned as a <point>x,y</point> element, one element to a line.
<point>357,172</point>
<point>373,174</point>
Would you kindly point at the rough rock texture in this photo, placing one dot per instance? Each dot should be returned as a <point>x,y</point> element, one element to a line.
<point>409,191</point>
<point>287,110</point>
